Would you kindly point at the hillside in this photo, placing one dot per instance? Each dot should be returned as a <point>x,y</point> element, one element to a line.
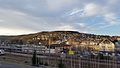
<point>55,37</point>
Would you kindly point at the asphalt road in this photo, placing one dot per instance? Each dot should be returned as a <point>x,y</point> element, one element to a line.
<point>11,65</point>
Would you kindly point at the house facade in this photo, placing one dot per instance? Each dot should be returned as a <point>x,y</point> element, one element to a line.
<point>106,45</point>
<point>99,45</point>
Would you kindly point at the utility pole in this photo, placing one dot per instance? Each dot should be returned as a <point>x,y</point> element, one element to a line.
<point>49,47</point>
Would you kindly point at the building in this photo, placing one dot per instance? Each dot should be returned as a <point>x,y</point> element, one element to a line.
<point>57,48</point>
<point>118,38</point>
<point>106,45</point>
<point>98,45</point>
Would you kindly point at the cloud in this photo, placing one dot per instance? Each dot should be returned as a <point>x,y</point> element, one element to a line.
<point>58,5</point>
<point>94,10</point>
<point>1,20</point>
<point>75,11</point>
<point>48,15</point>
<point>91,9</point>
<point>72,28</point>
<point>12,31</point>
<point>111,18</point>
<point>88,10</point>
<point>82,24</point>
<point>66,27</point>
<point>112,1</point>
<point>12,19</point>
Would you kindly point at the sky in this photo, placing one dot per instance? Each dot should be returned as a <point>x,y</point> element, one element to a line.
<point>87,16</point>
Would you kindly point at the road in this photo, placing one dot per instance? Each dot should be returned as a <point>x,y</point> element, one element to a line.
<point>11,65</point>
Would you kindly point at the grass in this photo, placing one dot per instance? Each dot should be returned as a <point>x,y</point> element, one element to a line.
<point>15,59</point>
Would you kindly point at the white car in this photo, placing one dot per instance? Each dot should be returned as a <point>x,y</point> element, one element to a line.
<point>2,52</point>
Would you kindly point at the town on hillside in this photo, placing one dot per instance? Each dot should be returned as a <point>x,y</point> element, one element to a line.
<point>61,41</point>
<point>63,49</point>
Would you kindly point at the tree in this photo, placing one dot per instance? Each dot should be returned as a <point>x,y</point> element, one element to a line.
<point>34,58</point>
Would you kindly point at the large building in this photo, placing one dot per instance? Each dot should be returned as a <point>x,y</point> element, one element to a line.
<point>99,45</point>
<point>106,45</point>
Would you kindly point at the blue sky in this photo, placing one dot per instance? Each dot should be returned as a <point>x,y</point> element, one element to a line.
<point>88,16</point>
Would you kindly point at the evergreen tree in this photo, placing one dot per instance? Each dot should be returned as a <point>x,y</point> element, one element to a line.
<point>34,58</point>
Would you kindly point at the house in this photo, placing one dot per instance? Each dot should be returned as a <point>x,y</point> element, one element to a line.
<point>56,48</point>
<point>106,45</point>
<point>60,46</point>
<point>99,45</point>
<point>118,38</point>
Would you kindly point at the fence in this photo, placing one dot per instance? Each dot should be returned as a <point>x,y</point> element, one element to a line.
<point>77,62</point>
<point>72,62</point>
